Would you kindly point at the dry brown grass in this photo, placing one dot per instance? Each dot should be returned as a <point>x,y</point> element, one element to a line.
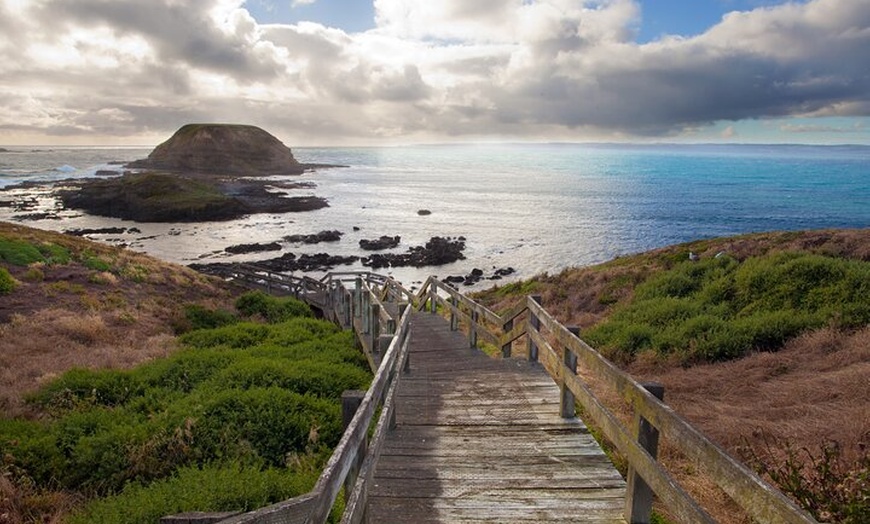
<point>72,316</point>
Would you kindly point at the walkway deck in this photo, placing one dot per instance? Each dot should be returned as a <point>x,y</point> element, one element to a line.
<point>481,440</point>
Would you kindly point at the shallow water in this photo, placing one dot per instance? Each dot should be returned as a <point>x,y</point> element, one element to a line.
<point>533,207</point>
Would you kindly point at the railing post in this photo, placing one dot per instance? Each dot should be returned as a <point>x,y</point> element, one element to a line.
<point>534,324</point>
<point>350,402</point>
<point>375,325</point>
<point>357,298</point>
<point>454,325</point>
<point>366,312</point>
<point>472,329</point>
<point>347,303</point>
<point>433,302</point>
<point>639,496</point>
<point>506,349</point>
<point>569,359</point>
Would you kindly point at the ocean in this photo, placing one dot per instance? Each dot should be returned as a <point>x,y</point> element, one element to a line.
<point>533,207</point>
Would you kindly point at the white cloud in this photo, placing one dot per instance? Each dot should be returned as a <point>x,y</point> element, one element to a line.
<point>558,69</point>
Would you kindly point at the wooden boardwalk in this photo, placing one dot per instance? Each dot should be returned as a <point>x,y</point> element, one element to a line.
<point>480,439</point>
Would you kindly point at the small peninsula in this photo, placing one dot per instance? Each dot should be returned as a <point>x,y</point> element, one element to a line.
<point>204,172</point>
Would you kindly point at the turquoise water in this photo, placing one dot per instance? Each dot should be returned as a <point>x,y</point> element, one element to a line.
<point>534,207</point>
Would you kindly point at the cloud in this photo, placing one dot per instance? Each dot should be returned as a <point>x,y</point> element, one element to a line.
<point>298,3</point>
<point>857,127</point>
<point>557,69</point>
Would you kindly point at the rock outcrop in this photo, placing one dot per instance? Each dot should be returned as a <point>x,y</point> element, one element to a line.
<point>222,149</point>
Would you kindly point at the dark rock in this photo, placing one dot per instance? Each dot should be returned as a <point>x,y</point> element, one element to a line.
<point>106,172</point>
<point>134,230</point>
<point>222,149</point>
<point>37,216</point>
<point>241,249</point>
<point>385,242</point>
<point>455,279</point>
<point>356,228</point>
<point>424,212</point>
<point>2,150</point>
<point>97,231</point>
<point>287,262</point>
<point>323,236</point>
<point>477,272</point>
<point>437,251</point>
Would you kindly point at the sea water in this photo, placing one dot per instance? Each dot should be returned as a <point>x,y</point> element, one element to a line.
<point>534,207</point>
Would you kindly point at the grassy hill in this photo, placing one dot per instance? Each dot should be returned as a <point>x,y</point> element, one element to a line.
<point>762,341</point>
<point>134,389</point>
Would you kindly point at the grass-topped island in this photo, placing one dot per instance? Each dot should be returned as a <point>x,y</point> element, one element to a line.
<point>203,172</point>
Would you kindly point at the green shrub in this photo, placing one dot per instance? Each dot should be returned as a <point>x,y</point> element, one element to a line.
<point>95,263</point>
<point>272,309</point>
<point>214,487</point>
<point>272,421</point>
<point>55,254</point>
<point>19,252</point>
<point>200,317</point>
<point>320,379</point>
<point>238,336</point>
<point>82,388</point>
<point>7,283</point>
<point>185,370</point>
<point>718,309</point>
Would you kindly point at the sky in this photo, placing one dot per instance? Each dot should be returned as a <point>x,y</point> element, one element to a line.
<point>391,72</point>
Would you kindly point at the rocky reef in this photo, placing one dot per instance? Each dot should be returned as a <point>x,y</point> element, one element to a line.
<point>165,197</point>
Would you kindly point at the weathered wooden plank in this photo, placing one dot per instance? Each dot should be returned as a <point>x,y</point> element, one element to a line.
<point>521,508</point>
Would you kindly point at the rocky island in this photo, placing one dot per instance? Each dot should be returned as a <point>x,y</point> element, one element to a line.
<point>204,172</point>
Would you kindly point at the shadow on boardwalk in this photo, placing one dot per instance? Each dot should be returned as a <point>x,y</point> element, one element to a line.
<point>481,440</point>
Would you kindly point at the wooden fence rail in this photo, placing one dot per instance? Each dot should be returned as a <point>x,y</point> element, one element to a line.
<point>361,300</point>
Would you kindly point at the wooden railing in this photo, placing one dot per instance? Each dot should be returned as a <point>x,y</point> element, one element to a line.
<point>559,349</point>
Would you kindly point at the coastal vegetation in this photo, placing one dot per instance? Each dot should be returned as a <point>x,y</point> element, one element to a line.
<point>244,414</point>
<point>760,341</point>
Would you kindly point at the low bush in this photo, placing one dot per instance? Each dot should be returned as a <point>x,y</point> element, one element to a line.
<point>719,309</point>
<point>272,309</point>
<point>81,389</point>
<point>7,283</point>
<point>270,423</point>
<point>19,252</point>
<point>199,317</point>
<point>213,487</point>
<point>302,376</point>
